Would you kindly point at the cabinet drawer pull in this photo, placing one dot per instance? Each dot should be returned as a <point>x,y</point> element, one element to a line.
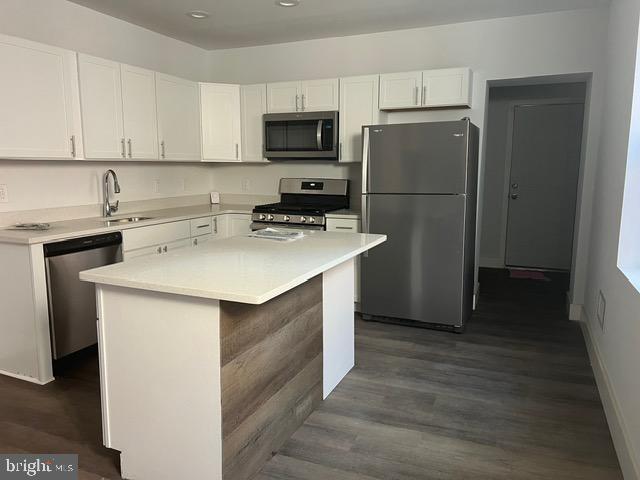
<point>129,145</point>
<point>202,226</point>
<point>164,249</point>
<point>344,228</point>
<point>159,250</point>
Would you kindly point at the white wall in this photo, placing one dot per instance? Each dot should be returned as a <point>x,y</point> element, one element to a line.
<point>618,344</point>
<point>54,184</point>
<point>528,46</point>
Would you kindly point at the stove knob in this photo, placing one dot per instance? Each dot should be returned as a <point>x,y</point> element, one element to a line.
<point>269,217</point>
<point>286,218</point>
<point>262,216</point>
<point>303,219</point>
<point>312,220</point>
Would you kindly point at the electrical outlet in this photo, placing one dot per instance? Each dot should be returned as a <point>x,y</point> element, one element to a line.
<point>246,184</point>
<point>601,309</point>
<point>156,186</point>
<point>4,194</point>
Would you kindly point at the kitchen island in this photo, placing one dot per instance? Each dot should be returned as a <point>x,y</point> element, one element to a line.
<point>210,359</point>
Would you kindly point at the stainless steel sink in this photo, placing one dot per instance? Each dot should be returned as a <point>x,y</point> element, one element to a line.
<point>127,219</point>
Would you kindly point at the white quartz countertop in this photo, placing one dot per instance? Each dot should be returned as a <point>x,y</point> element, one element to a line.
<point>95,225</point>
<point>238,269</point>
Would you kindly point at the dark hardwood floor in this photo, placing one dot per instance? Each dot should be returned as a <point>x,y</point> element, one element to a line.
<point>511,398</point>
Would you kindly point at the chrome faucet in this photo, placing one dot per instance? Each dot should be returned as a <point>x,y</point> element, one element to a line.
<point>110,209</point>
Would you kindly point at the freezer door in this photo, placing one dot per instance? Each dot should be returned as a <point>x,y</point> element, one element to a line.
<point>417,158</point>
<point>418,274</point>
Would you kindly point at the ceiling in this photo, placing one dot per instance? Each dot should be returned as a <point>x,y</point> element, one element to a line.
<point>239,23</point>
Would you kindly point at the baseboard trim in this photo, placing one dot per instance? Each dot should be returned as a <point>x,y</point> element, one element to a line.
<point>621,438</point>
<point>26,378</point>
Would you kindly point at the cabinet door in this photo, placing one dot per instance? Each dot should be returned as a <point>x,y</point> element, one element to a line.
<point>39,101</point>
<point>253,101</point>
<point>348,226</point>
<point>400,90</point>
<point>178,118</point>
<point>358,107</point>
<point>177,245</point>
<point>238,224</point>
<point>450,87</point>
<point>101,106</point>
<point>139,112</point>
<point>283,97</point>
<point>220,112</point>
<point>319,95</point>
<point>142,252</point>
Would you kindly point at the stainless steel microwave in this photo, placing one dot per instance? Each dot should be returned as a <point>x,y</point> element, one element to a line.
<point>301,136</point>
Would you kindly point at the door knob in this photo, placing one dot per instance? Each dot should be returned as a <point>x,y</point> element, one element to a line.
<point>514,186</point>
<point>514,196</point>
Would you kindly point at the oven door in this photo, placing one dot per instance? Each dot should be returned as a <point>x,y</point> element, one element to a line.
<point>296,136</point>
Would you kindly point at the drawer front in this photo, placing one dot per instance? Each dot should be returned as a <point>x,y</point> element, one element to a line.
<point>141,237</point>
<point>201,226</point>
<point>202,239</point>
<point>343,225</point>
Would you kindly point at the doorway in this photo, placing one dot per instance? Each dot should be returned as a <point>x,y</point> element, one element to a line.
<point>532,168</point>
<point>543,182</point>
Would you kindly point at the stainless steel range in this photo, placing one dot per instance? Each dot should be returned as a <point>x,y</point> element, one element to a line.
<point>303,204</point>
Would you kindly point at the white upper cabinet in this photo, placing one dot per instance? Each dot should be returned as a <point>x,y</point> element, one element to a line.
<point>358,107</point>
<point>253,102</point>
<point>400,90</point>
<point>319,95</point>
<point>220,119</point>
<point>139,112</point>
<point>178,118</point>
<point>39,101</point>
<point>283,97</point>
<point>450,87</point>
<point>101,105</point>
<point>307,96</point>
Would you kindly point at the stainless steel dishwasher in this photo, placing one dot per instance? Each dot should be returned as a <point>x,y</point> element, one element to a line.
<point>72,303</point>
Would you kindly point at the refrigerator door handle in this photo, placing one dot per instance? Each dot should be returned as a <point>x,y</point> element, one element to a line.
<point>365,220</point>
<point>365,159</point>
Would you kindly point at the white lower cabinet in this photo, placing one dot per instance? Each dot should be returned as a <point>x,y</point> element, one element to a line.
<point>235,224</point>
<point>202,239</point>
<point>155,239</point>
<point>348,225</point>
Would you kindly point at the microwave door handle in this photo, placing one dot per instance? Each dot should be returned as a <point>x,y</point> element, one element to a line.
<point>319,135</point>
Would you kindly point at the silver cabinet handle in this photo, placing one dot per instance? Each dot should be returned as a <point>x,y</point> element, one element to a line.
<point>515,186</point>
<point>237,151</point>
<point>319,135</point>
<point>215,225</point>
<point>195,242</point>
<point>164,249</point>
<point>514,196</point>
<point>424,95</point>
<point>73,146</point>
<point>340,152</point>
<point>416,95</point>
<point>344,228</point>
<point>297,102</point>
<point>159,250</point>
<point>162,151</point>
<point>124,151</point>
<point>129,145</point>
<point>303,102</point>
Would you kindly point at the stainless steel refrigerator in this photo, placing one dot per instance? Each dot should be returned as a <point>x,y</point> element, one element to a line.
<point>419,186</point>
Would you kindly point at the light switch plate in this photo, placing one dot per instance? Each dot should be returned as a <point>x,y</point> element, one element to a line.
<point>4,193</point>
<point>601,309</point>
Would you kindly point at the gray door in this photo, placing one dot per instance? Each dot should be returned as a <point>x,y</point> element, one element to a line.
<point>418,273</point>
<point>418,158</point>
<point>545,161</point>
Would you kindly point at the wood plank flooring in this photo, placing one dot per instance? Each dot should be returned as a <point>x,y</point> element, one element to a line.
<point>512,398</point>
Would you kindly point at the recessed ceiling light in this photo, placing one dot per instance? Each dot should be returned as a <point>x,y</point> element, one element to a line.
<point>198,14</point>
<point>287,3</point>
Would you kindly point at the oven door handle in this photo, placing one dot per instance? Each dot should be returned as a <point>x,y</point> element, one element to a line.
<point>319,135</point>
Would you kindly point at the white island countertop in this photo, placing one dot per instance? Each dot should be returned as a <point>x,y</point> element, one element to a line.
<point>238,269</point>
